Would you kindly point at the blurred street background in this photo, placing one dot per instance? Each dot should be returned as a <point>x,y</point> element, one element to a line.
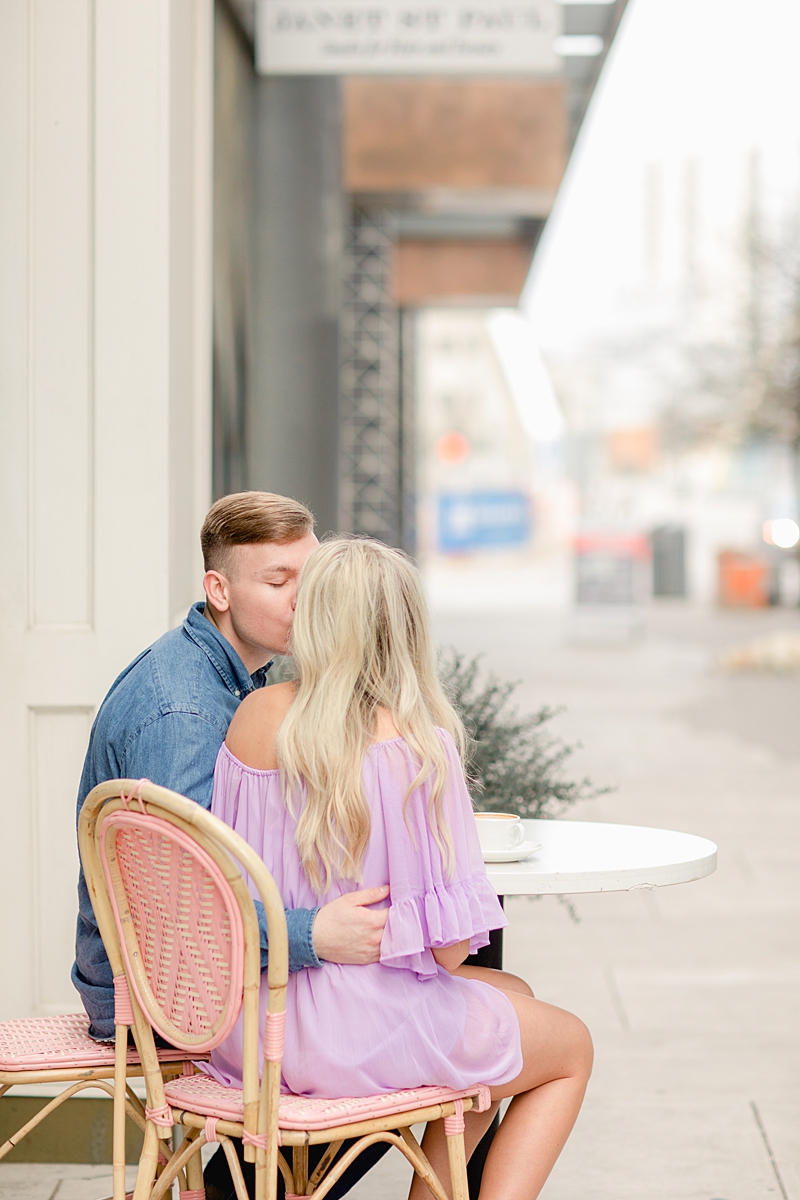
<point>641,404</point>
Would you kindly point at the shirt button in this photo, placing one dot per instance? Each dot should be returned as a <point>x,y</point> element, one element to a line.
<point>237,692</point>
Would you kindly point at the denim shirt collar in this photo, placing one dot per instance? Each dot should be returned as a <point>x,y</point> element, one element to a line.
<point>221,653</point>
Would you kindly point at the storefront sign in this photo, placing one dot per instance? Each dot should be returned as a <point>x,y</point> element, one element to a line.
<point>483,520</point>
<point>400,37</point>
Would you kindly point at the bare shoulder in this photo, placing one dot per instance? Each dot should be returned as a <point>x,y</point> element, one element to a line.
<point>251,736</point>
<point>385,728</point>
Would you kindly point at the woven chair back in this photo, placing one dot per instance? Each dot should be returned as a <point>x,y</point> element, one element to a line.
<point>180,926</point>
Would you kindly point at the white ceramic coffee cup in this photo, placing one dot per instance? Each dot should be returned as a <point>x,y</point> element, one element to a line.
<point>499,831</point>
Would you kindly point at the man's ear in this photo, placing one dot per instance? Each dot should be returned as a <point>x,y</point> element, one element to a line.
<point>216,587</point>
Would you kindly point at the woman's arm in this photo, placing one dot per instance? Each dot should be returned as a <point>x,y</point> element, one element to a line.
<point>451,957</point>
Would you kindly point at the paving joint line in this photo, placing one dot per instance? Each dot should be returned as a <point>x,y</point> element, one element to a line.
<point>616,999</point>
<point>766,1142</point>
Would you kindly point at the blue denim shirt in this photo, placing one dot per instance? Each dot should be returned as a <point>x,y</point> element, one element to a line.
<point>164,719</point>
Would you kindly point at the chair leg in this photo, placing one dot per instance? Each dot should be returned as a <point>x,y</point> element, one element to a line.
<point>119,1113</point>
<point>194,1174</point>
<point>135,1102</point>
<point>178,1167</point>
<point>458,1166</point>
<point>148,1164</point>
<point>417,1157</point>
<point>235,1168</point>
<point>300,1167</point>
<point>267,1174</point>
<point>288,1178</point>
<point>267,1181</point>
<point>324,1163</point>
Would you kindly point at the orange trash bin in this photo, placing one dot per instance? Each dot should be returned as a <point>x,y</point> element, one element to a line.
<point>743,580</point>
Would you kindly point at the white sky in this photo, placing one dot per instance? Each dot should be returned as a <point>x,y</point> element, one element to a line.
<point>702,80</point>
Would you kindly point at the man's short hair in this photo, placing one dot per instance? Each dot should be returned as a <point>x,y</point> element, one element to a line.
<point>244,518</point>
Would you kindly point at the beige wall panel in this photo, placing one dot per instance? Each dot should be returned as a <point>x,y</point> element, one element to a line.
<point>132,326</point>
<point>191,149</point>
<point>15,889</point>
<point>57,746</point>
<point>103,321</point>
<point>413,134</point>
<point>60,313</point>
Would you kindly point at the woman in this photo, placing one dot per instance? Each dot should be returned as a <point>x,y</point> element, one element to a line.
<point>351,777</point>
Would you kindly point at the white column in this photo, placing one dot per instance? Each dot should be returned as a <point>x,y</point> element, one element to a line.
<point>105,345</point>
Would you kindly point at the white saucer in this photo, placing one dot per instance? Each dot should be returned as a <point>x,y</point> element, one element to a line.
<point>516,854</point>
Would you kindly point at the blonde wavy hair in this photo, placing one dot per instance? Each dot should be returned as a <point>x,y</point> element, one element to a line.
<point>361,639</point>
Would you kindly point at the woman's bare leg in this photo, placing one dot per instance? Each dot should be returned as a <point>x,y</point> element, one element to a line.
<point>548,1092</point>
<point>503,980</point>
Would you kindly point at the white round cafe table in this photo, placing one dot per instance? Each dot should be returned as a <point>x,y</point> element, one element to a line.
<point>590,856</point>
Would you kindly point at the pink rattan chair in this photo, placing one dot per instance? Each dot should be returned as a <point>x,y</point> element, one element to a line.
<point>169,891</point>
<point>58,1050</point>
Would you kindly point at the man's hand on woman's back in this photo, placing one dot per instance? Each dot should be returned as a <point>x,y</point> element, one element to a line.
<point>347,930</point>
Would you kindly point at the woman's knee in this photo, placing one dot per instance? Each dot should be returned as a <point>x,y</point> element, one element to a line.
<point>513,983</point>
<point>499,979</point>
<point>555,1043</point>
<point>582,1047</point>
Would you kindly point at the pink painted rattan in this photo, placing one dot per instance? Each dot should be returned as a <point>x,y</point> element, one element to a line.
<point>188,928</point>
<point>202,1094</point>
<point>58,1043</point>
<point>59,1050</point>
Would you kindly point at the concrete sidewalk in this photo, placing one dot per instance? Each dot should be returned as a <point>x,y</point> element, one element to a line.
<point>692,993</point>
<point>52,1181</point>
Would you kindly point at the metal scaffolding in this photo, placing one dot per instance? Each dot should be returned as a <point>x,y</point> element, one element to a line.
<point>371,425</point>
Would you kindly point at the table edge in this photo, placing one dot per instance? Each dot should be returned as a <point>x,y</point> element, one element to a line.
<point>633,879</point>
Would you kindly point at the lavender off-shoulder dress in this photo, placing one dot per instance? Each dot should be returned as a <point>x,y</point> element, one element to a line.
<point>401,1022</point>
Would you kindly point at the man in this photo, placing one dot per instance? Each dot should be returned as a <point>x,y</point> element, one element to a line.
<point>167,714</point>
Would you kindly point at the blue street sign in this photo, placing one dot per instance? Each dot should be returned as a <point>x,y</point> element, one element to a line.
<point>483,520</point>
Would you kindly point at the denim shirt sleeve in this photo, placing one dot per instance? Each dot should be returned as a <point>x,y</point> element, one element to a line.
<point>177,750</point>
<point>299,927</point>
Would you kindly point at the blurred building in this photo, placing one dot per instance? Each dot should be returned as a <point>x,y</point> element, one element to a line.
<point>475,470</point>
<point>371,197</point>
<point>676,397</point>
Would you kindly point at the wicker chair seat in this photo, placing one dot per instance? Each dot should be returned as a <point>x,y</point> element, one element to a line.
<point>59,1043</point>
<point>202,1094</point>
